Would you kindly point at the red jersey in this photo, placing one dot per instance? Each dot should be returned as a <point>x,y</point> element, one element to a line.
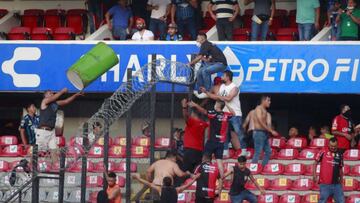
<point>194,133</point>
<point>331,164</point>
<point>206,184</point>
<point>219,123</point>
<point>343,125</point>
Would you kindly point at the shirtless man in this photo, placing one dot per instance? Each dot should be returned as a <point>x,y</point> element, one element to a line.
<point>261,131</point>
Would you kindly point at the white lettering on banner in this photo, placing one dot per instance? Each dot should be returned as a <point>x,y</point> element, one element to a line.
<point>325,72</point>
<point>234,65</point>
<point>269,68</point>
<point>344,66</point>
<point>355,70</point>
<point>134,62</point>
<point>284,63</point>
<point>258,66</point>
<point>116,70</point>
<point>22,54</point>
<point>299,66</point>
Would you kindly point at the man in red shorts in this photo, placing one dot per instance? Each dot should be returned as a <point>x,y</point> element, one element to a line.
<point>343,127</point>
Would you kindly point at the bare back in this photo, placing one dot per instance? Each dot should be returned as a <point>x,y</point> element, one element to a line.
<point>162,169</point>
<point>260,115</point>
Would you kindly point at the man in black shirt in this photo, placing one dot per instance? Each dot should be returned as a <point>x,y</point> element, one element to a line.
<point>241,174</point>
<point>214,61</point>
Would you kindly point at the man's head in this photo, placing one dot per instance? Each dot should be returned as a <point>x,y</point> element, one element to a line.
<point>145,129</point>
<point>112,179</point>
<point>48,93</point>
<point>219,106</point>
<point>217,80</point>
<point>171,155</point>
<point>351,4</point>
<point>265,101</point>
<point>242,162</point>
<point>122,3</point>
<point>293,132</point>
<point>140,24</point>
<point>201,38</point>
<point>30,108</point>
<point>333,144</point>
<point>345,110</point>
<point>177,133</point>
<point>172,29</point>
<point>206,158</point>
<point>325,130</point>
<point>227,76</point>
<point>167,181</point>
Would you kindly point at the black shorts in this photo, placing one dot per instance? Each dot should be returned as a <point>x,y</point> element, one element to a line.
<point>216,148</point>
<point>203,200</point>
<point>192,158</point>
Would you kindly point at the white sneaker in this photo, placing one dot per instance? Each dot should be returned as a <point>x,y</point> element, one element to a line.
<point>201,95</point>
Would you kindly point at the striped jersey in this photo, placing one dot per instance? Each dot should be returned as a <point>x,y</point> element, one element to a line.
<point>224,8</point>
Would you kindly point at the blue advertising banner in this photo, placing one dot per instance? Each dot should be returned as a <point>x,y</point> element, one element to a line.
<point>258,68</point>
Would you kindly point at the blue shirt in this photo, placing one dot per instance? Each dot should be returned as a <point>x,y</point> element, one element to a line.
<point>120,16</point>
<point>29,124</point>
<point>183,9</point>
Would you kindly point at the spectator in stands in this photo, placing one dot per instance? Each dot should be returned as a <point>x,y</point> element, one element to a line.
<point>293,133</point>
<point>307,17</point>
<point>218,122</point>
<point>145,129</point>
<point>349,20</point>
<point>184,11</point>
<point>168,192</point>
<point>325,132</point>
<point>172,34</point>
<point>241,174</point>
<point>28,125</point>
<point>262,130</point>
<point>357,136</point>
<point>206,189</point>
<point>229,93</point>
<point>343,127</point>
<point>264,11</point>
<point>226,13</point>
<point>331,173</point>
<point>312,134</point>
<point>94,13</point>
<point>160,10</point>
<point>122,20</point>
<point>142,34</point>
<point>332,13</point>
<point>193,137</point>
<point>45,134</point>
<point>95,133</point>
<point>214,61</point>
<point>113,191</point>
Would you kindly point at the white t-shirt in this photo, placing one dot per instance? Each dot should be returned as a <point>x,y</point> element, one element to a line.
<point>162,8</point>
<point>235,102</point>
<point>147,35</point>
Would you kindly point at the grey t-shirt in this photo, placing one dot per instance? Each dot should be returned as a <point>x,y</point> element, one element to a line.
<point>262,7</point>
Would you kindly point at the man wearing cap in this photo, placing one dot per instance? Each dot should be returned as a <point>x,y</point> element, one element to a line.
<point>160,9</point>
<point>172,34</point>
<point>142,34</point>
<point>343,128</point>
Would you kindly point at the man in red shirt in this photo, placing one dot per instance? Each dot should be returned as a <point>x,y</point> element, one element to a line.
<point>342,128</point>
<point>331,173</point>
<point>193,137</point>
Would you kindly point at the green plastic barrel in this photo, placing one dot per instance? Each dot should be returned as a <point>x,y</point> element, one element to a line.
<point>92,65</point>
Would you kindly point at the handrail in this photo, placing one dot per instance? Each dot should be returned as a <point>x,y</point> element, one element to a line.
<point>20,190</point>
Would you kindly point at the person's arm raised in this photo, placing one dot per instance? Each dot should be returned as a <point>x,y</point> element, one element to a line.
<point>54,97</point>
<point>69,99</point>
<point>198,107</point>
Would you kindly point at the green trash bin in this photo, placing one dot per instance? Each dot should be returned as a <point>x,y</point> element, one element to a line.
<point>92,65</point>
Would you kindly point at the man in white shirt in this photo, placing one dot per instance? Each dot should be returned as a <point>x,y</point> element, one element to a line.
<point>160,9</point>
<point>142,34</point>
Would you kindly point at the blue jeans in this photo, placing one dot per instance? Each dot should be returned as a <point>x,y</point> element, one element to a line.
<point>205,72</point>
<point>334,190</point>
<point>119,33</point>
<point>261,142</point>
<point>190,25</point>
<point>306,31</point>
<point>262,28</point>
<point>244,195</point>
<point>157,25</point>
<point>94,8</point>
<point>236,123</point>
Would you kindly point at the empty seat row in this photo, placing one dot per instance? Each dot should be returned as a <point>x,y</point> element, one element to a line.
<point>280,34</point>
<point>41,33</point>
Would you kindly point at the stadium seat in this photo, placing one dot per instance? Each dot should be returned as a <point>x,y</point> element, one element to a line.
<point>290,198</point>
<point>352,155</point>
<point>310,198</point>
<point>53,18</point>
<point>292,19</point>
<point>183,197</point>
<point>273,169</point>
<point>120,181</point>
<point>208,22</point>
<point>141,141</point>
<point>280,184</point>
<point>353,198</point>
<point>279,143</point>
<point>226,184</point>
<point>241,34</point>
<point>355,170</point>
<point>77,19</point>
<point>8,140</point>
<point>223,198</point>
<point>76,140</point>
<point>4,166</point>
<point>94,181</point>
<point>350,184</point>
<point>309,169</point>
<point>287,34</point>
<point>93,196</point>
<point>72,180</point>
<point>100,141</point>
<point>268,198</point>
<point>308,154</point>
<point>122,167</point>
<point>75,151</point>
<point>96,152</point>
<point>46,182</point>
<point>75,196</point>
<point>288,154</point>
<point>162,142</point>
<point>117,152</point>
<point>41,33</point>
<point>192,186</point>
<point>60,141</point>
<point>296,143</point>
<point>246,18</point>
<point>302,184</point>
<point>346,169</point>
<point>44,166</point>
<point>139,152</point>
<point>3,12</point>
<point>318,143</point>
<point>255,168</point>
<point>294,169</point>
<point>76,167</point>
<point>52,195</point>
<point>12,151</point>
<point>32,18</point>
<point>99,166</point>
<point>229,165</point>
<point>263,182</point>
<point>120,141</point>
<point>64,33</point>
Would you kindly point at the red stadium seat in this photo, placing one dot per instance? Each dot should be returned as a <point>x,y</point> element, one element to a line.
<point>208,23</point>
<point>309,169</point>
<point>8,140</point>
<point>292,19</point>
<point>100,141</point>
<point>77,19</point>
<point>32,18</point>
<point>263,182</point>
<point>292,13</point>
<point>353,198</point>
<point>53,18</point>
<point>279,143</point>
<point>122,167</point>
<point>15,163</point>
<point>120,141</point>
<point>227,184</point>
<point>41,33</point>
<point>268,198</point>
<point>294,169</point>
<point>96,152</point>
<point>75,151</point>
<point>192,186</point>
<point>241,34</point>
<point>120,181</point>
<point>296,143</point>
<point>346,169</point>
<point>352,155</point>
<point>310,198</point>
<point>183,197</point>
<point>302,184</point>
<point>94,181</point>
<point>99,166</point>
<point>318,143</point>
<point>3,12</point>
<point>76,167</point>
<point>76,141</point>
<point>281,12</point>
<point>141,141</point>
<point>280,184</point>
<point>350,184</point>
<point>249,153</point>
<point>4,166</point>
<point>12,151</point>
<point>307,154</point>
<point>139,152</point>
<point>273,169</point>
<point>64,33</point>
<point>288,154</point>
<point>117,152</point>
<point>60,141</point>
<point>44,166</point>
<point>19,33</point>
<point>255,168</point>
<point>223,198</point>
<point>162,142</point>
<point>229,165</point>
<point>287,34</point>
<point>355,170</point>
<point>290,198</point>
